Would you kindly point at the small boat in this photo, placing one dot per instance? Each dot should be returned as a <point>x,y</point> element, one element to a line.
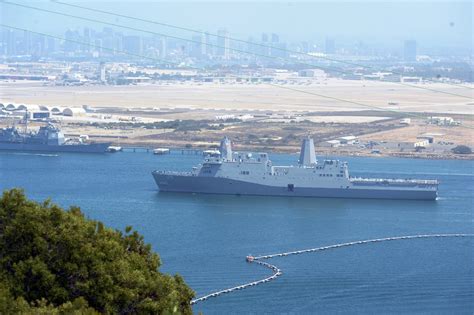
<point>161,151</point>
<point>114,149</point>
<point>211,153</point>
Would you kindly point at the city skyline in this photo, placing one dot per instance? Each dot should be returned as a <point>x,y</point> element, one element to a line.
<point>203,44</point>
<point>374,24</point>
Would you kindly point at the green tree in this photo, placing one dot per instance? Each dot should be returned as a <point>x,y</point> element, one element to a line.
<point>54,261</point>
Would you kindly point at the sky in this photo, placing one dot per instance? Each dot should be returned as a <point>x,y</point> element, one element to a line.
<point>445,24</point>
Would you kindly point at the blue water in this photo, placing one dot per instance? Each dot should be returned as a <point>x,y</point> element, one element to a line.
<point>205,238</point>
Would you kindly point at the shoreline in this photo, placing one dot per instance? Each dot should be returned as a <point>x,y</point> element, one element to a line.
<point>319,153</point>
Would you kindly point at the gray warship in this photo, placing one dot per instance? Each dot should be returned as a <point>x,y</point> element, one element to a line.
<point>254,174</point>
<point>48,139</point>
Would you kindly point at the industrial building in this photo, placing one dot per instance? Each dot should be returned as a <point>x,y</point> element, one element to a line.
<point>413,145</point>
<point>36,111</point>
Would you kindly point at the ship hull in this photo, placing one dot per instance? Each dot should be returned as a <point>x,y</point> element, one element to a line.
<point>219,185</point>
<point>76,148</point>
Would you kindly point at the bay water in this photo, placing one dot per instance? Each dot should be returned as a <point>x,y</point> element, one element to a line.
<point>206,238</point>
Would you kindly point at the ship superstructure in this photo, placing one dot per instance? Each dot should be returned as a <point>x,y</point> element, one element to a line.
<point>48,139</point>
<point>254,174</point>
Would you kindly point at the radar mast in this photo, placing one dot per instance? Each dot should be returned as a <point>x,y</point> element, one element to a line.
<point>307,154</point>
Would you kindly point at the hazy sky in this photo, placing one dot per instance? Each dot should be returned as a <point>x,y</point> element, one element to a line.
<point>432,23</point>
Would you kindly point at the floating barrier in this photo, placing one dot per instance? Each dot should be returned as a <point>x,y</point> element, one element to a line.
<point>276,272</point>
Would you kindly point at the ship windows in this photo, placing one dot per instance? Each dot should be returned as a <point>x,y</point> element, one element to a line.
<point>244,172</point>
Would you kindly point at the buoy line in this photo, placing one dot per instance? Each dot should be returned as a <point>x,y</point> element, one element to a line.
<point>276,272</point>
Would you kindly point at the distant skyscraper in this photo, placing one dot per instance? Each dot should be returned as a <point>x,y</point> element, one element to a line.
<point>10,42</point>
<point>51,45</point>
<point>26,43</point>
<point>102,72</point>
<point>304,47</point>
<point>37,45</point>
<point>264,49</point>
<point>330,46</point>
<point>204,44</point>
<point>196,46</point>
<point>98,45</point>
<point>72,38</point>
<point>87,40</point>
<point>275,38</point>
<point>409,51</point>
<point>199,45</point>
<point>279,50</point>
<point>163,48</point>
<point>132,44</point>
<point>224,44</point>
<point>108,31</point>
<point>251,47</point>
<point>207,42</point>
<point>109,44</point>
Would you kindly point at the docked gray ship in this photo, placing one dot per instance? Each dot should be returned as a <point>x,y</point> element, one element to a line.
<point>48,139</point>
<point>254,174</point>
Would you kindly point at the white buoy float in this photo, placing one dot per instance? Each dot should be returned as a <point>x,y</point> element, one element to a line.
<point>276,272</point>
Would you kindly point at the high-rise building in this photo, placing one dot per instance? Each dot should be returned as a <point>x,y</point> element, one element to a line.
<point>37,47</point>
<point>98,45</point>
<point>195,47</point>
<point>51,45</point>
<point>71,44</point>
<point>223,44</point>
<point>409,50</point>
<point>304,47</point>
<point>330,46</point>
<point>264,48</point>
<point>132,44</point>
<point>102,72</point>
<point>86,38</point>
<point>9,39</point>
<point>275,38</point>
<point>26,47</point>
<point>205,40</point>
<point>163,48</point>
<point>251,46</point>
<point>279,50</point>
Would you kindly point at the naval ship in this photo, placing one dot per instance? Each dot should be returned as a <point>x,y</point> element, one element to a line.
<point>254,174</point>
<point>48,139</point>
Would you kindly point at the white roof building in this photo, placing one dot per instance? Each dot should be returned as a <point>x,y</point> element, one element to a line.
<point>74,111</point>
<point>57,110</point>
<point>28,107</point>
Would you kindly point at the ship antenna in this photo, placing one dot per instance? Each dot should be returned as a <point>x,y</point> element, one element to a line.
<point>26,121</point>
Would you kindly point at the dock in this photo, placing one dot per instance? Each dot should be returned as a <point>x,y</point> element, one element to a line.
<point>173,150</point>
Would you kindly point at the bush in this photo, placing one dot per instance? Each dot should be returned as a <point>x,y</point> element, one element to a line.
<point>461,149</point>
<point>57,261</point>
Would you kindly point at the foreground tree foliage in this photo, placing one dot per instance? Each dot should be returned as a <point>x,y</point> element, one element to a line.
<point>54,261</point>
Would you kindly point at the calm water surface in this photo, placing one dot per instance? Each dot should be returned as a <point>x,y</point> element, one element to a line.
<point>206,238</point>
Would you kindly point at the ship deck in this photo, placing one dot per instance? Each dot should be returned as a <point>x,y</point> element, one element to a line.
<point>393,182</point>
